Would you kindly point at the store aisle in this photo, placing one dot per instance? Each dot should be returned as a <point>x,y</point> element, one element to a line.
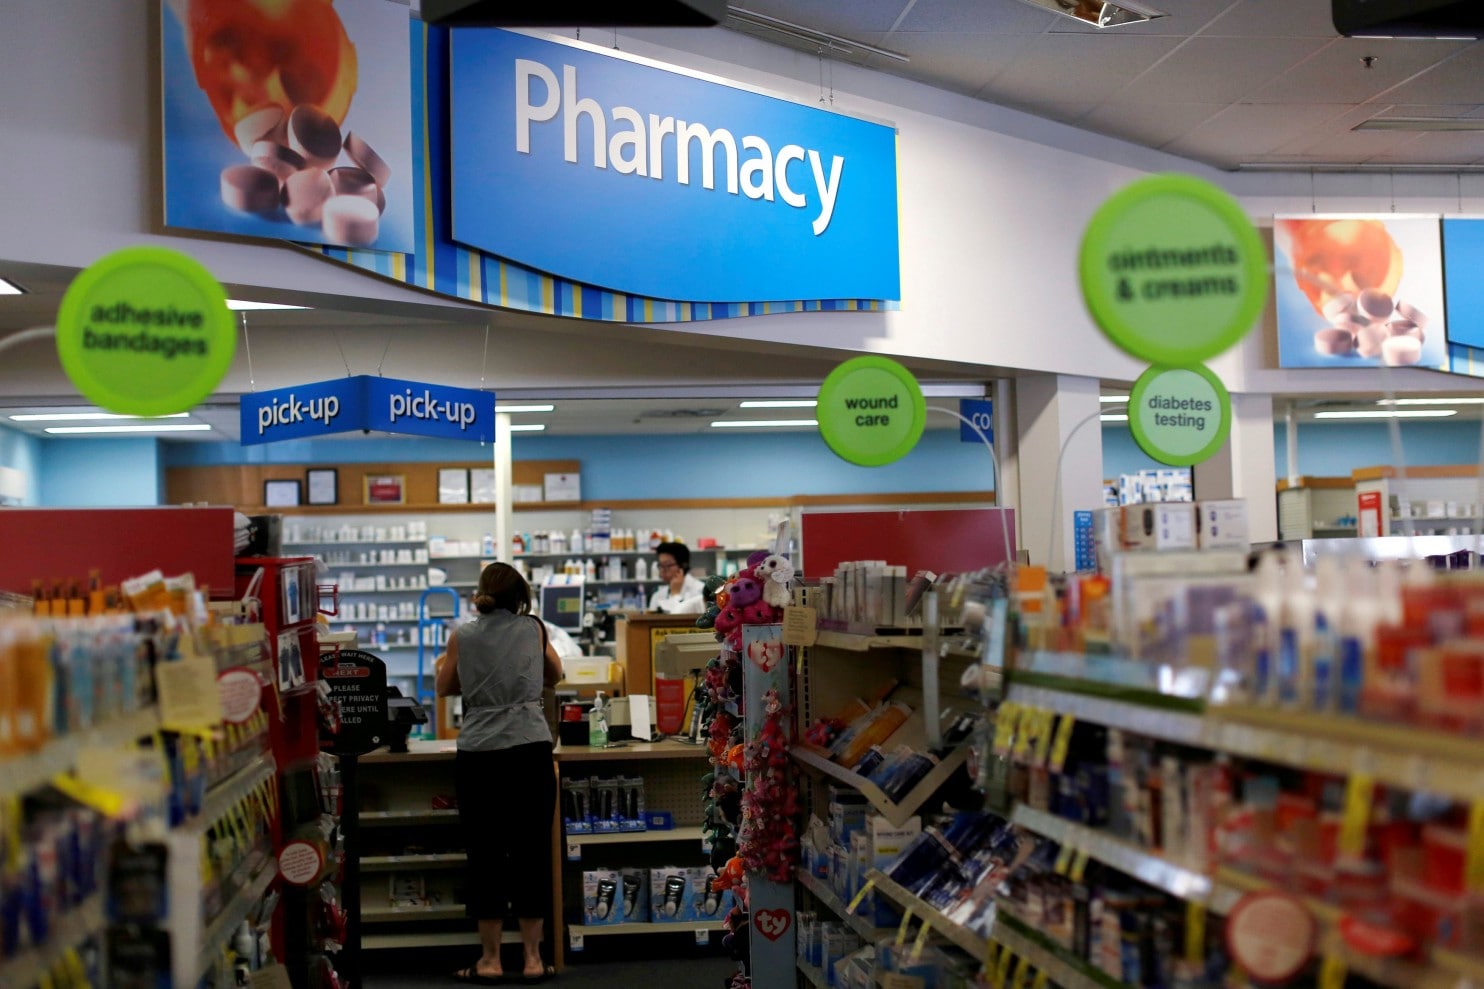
<point>671,973</point>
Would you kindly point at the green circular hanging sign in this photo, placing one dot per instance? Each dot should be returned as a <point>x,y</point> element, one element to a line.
<point>145,331</point>
<point>1179,415</point>
<point>1173,270</point>
<point>871,411</point>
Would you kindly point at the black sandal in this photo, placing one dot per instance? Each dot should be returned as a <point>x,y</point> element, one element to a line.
<point>547,973</point>
<point>470,977</point>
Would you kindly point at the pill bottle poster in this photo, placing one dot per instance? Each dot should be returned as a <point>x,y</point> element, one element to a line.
<point>289,120</point>
<point>1179,416</point>
<point>1359,291</point>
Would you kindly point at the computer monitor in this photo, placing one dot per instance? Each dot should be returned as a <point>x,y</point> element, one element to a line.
<point>563,601</point>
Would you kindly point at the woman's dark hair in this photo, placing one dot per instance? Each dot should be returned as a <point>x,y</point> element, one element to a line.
<point>679,551</point>
<point>502,586</point>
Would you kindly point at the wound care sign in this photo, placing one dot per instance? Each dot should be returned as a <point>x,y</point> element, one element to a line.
<point>871,411</point>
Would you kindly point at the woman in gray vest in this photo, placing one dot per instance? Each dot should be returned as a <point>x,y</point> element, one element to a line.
<point>503,770</point>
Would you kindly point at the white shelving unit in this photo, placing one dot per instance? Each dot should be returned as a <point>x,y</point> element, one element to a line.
<point>70,930</point>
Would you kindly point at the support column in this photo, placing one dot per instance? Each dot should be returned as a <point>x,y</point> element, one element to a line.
<point>1007,454</point>
<point>1246,467</point>
<point>1054,412</point>
<point>504,496</point>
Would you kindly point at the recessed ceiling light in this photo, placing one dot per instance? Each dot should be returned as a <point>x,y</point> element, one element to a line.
<point>527,427</point>
<point>1431,401</point>
<point>1097,13</point>
<point>1113,417</point>
<point>762,423</point>
<point>10,288</point>
<point>778,403</point>
<point>523,408</point>
<point>178,427</point>
<point>1390,414</point>
<point>84,416</point>
<point>1105,399</point>
<point>238,305</point>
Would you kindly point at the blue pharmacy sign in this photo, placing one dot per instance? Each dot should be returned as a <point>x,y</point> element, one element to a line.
<point>602,168</point>
<point>365,402</point>
<point>979,411</point>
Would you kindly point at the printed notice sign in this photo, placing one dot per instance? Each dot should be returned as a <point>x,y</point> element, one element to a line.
<point>358,684</point>
<point>1179,416</point>
<point>1172,270</point>
<point>871,411</point>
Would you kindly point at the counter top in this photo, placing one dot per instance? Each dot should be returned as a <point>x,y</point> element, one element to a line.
<point>418,750</point>
<point>668,749</point>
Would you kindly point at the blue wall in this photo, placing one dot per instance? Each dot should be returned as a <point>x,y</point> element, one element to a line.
<point>1333,449</point>
<point>744,465</point>
<point>22,452</point>
<point>101,473</point>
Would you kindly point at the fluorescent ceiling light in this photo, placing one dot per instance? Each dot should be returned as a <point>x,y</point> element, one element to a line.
<point>809,35</point>
<point>1105,399</point>
<point>1097,13</point>
<point>527,427</point>
<point>524,408</point>
<point>178,427</point>
<point>237,305</point>
<point>1422,124</point>
<point>84,416</point>
<point>1391,414</point>
<point>778,403</point>
<point>10,288</point>
<point>762,423</point>
<point>1431,401</point>
<point>1113,417</point>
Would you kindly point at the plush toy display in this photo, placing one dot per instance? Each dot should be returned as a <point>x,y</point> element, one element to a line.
<point>776,573</point>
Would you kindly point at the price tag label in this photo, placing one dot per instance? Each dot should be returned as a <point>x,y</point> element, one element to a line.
<point>1332,973</point>
<point>917,945</point>
<point>1017,980</point>
<point>1044,722</point>
<point>1195,932</point>
<point>861,896</point>
<point>1063,860</point>
<point>1024,725</point>
<point>1474,863</point>
<point>1005,720</point>
<point>902,930</point>
<point>1359,793</point>
<point>574,940</point>
<point>1002,969</point>
<point>1062,743</point>
<point>574,851</point>
<point>1079,866</point>
<point>189,699</point>
<point>703,937</point>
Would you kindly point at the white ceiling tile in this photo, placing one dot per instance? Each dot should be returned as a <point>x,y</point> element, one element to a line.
<point>1245,131</point>
<point>851,20</point>
<point>1455,80</point>
<point>1275,19</point>
<point>976,17</point>
<point>969,60</point>
<point>1218,70</point>
<point>1153,126</point>
<point>1337,73</point>
<point>1348,145</point>
<point>1079,67</point>
<point>1449,148</point>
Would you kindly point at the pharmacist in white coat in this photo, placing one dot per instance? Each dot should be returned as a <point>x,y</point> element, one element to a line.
<point>680,593</point>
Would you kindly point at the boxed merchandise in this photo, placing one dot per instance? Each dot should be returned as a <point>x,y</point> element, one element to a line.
<point>407,889</point>
<point>631,816</point>
<point>601,902</point>
<point>634,893</point>
<point>1154,526</point>
<point>707,903</point>
<point>577,815</point>
<point>607,815</point>
<point>847,809</point>
<point>670,894</point>
<point>1222,524</point>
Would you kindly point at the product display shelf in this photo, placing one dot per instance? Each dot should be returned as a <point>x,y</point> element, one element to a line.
<point>1440,970</point>
<point>354,542</point>
<point>826,895</point>
<point>579,931</point>
<point>224,926</point>
<point>1394,755</point>
<point>855,642</point>
<point>430,939</point>
<point>813,974</point>
<point>387,863</point>
<point>24,970</point>
<point>623,837</point>
<point>389,914</point>
<point>669,749</point>
<point>225,795</point>
<point>1060,967</point>
<point>24,773</point>
<point>1140,863</point>
<point>897,813</point>
<point>387,818</point>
